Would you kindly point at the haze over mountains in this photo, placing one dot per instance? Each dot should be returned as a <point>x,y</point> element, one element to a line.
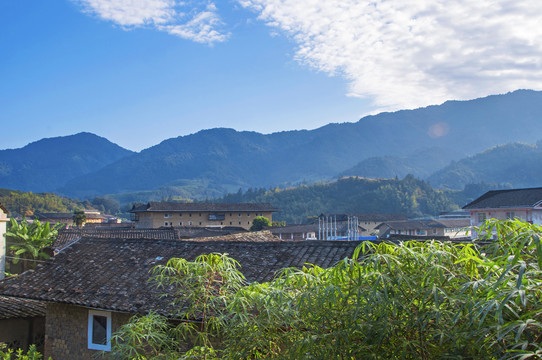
<point>212,162</point>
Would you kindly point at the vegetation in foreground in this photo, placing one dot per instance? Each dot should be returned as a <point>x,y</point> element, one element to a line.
<point>414,300</point>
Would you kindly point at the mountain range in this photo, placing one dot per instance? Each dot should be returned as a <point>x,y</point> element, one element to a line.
<point>213,162</point>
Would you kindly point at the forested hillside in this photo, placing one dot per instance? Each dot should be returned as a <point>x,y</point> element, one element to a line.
<point>409,196</point>
<point>227,159</point>
<point>47,164</point>
<point>513,165</point>
<point>20,203</point>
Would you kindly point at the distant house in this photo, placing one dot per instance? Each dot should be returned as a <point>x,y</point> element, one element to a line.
<point>94,285</point>
<point>352,225</point>
<point>525,204</point>
<point>296,232</point>
<point>450,228</point>
<point>159,214</point>
<point>91,217</point>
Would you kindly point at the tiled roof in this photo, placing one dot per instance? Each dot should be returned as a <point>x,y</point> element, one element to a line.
<point>61,216</point>
<point>368,216</point>
<point>515,198</point>
<point>112,274</point>
<point>455,223</point>
<point>11,307</point>
<point>190,232</point>
<point>4,209</point>
<point>294,229</point>
<point>170,206</point>
<point>413,224</point>
<point>68,236</point>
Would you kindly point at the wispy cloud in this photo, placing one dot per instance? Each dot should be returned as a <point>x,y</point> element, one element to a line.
<point>414,53</point>
<point>193,20</point>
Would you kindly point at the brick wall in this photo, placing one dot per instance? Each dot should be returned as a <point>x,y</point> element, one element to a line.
<point>66,329</point>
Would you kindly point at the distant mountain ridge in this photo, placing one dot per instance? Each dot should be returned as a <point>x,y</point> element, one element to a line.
<point>47,164</point>
<point>229,159</point>
<point>226,160</point>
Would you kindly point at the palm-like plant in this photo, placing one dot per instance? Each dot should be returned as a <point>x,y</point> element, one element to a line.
<point>28,241</point>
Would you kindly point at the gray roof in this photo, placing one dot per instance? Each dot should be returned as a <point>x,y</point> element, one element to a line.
<point>112,274</point>
<point>377,217</point>
<point>11,307</point>
<point>514,198</point>
<point>68,236</point>
<point>194,207</point>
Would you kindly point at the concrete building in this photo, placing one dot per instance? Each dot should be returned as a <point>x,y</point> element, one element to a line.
<point>167,214</point>
<point>524,204</point>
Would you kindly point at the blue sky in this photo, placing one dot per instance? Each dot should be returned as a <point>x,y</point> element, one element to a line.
<point>140,71</point>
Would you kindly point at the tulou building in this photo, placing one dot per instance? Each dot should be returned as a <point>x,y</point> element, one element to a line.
<point>168,214</point>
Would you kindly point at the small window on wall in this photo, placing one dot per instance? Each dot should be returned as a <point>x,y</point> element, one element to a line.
<point>99,330</point>
<point>481,217</point>
<point>166,215</point>
<point>165,223</point>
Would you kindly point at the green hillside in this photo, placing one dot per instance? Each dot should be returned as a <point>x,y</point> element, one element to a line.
<point>409,196</point>
<point>512,165</point>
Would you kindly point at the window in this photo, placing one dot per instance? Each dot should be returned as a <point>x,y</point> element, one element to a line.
<point>481,217</point>
<point>230,223</point>
<point>181,214</point>
<point>166,215</point>
<point>200,222</point>
<point>181,223</point>
<point>239,223</point>
<point>190,223</point>
<point>165,223</point>
<point>511,215</point>
<point>99,330</point>
<point>239,214</point>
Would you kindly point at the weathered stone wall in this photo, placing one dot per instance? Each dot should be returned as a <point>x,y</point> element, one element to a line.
<point>66,330</point>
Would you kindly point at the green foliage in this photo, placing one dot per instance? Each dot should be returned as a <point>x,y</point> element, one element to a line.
<point>21,203</point>
<point>9,354</point>
<point>202,291</point>
<point>409,196</point>
<point>79,218</point>
<point>259,223</point>
<point>28,241</point>
<point>413,300</point>
<point>515,165</point>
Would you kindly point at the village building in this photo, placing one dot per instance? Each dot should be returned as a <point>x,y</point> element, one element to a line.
<point>164,214</point>
<point>295,232</point>
<point>524,204</point>
<point>363,226</point>
<point>94,285</point>
<point>91,217</point>
<point>448,228</point>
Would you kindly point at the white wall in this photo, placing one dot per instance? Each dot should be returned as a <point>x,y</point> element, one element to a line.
<point>3,223</point>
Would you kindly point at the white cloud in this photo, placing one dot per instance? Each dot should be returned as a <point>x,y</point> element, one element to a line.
<point>193,20</point>
<point>414,53</point>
